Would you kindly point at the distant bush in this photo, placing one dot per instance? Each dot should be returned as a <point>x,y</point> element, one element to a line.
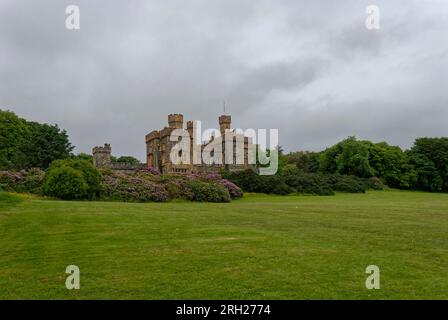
<point>9,180</point>
<point>347,183</point>
<point>310,183</point>
<point>250,181</point>
<point>210,192</point>
<point>375,183</point>
<point>28,181</point>
<point>282,189</point>
<point>32,181</point>
<point>247,180</point>
<point>234,191</point>
<point>65,183</point>
<point>137,187</point>
<point>91,175</point>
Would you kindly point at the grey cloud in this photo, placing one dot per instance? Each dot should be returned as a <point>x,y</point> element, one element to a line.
<point>309,68</point>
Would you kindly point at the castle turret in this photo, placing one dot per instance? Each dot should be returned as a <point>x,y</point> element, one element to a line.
<point>176,121</point>
<point>102,156</point>
<point>224,123</point>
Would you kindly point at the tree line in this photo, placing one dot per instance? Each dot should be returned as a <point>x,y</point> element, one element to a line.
<point>423,167</point>
<point>28,144</point>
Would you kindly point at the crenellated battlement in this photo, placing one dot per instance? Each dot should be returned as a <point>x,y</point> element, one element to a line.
<point>102,156</point>
<point>176,120</point>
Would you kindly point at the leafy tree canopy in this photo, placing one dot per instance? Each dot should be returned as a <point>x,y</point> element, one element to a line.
<point>26,144</point>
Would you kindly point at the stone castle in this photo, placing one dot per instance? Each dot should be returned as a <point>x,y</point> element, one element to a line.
<point>159,147</point>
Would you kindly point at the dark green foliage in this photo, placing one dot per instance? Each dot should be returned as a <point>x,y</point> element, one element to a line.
<point>350,157</point>
<point>84,156</point>
<point>44,144</point>
<point>282,189</point>
<point>13,130</point>
<point>365,159</point>
<point>374,183</point>
<point>310,183</point>
<point>430,159</point>
<point>65,183</point>
<point>305,161</point>
<point>250,181</point>
<point>30,144</point>
<point>91,175</point>
<point>247,180</point>
<point>126,159</point>
<point>392,165</point>
<point>210,192</point>
<point>345,183</point>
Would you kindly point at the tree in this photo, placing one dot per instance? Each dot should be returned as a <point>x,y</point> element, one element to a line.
<point>430,159</point>
<point>12,132</point>
<point>349,156</point>
<point>392,165</point>
<point>26,144</point>
<point>305,161</point>
<point>43,144</point>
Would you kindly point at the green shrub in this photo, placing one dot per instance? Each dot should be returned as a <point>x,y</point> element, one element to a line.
<point>65,183</point>
<point>208,191</point>
<point>32,181</point>
<point>91,175</point>
<point>347,183</point>
<point>247,180</point>
<point>310,183</point>
<point>375,183</point>
<point>179,189</point>
<point>282,189</point>
<point>250,181</point>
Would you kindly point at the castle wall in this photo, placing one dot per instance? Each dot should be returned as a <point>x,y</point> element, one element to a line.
<point>158,149</point>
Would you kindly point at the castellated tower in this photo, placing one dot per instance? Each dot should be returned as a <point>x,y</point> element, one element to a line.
<point>224,123</point>
<point>101,156</point>
<point>176,121</point>
<point>159,147</point>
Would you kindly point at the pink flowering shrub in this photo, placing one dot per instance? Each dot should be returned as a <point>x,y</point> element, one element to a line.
<point>144,186</point>
<point>213,176</point>
<point>9,180</point>
<point>131,187</point>
<point>153,171</point>
<point>234,191</point>
<point>29,181</point>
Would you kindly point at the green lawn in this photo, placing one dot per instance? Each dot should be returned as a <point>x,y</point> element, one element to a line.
<point>260,247</point>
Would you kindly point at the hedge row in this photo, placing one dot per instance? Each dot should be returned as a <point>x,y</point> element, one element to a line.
<point>73,179</point>
<point>295,181</point>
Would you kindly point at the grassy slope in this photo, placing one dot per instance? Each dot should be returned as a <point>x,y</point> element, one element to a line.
<point>271,247</point>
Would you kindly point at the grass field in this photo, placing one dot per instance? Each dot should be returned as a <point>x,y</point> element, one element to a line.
<point>259,247</point>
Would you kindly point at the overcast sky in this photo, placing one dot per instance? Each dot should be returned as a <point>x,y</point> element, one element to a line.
<point>309,68</point>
